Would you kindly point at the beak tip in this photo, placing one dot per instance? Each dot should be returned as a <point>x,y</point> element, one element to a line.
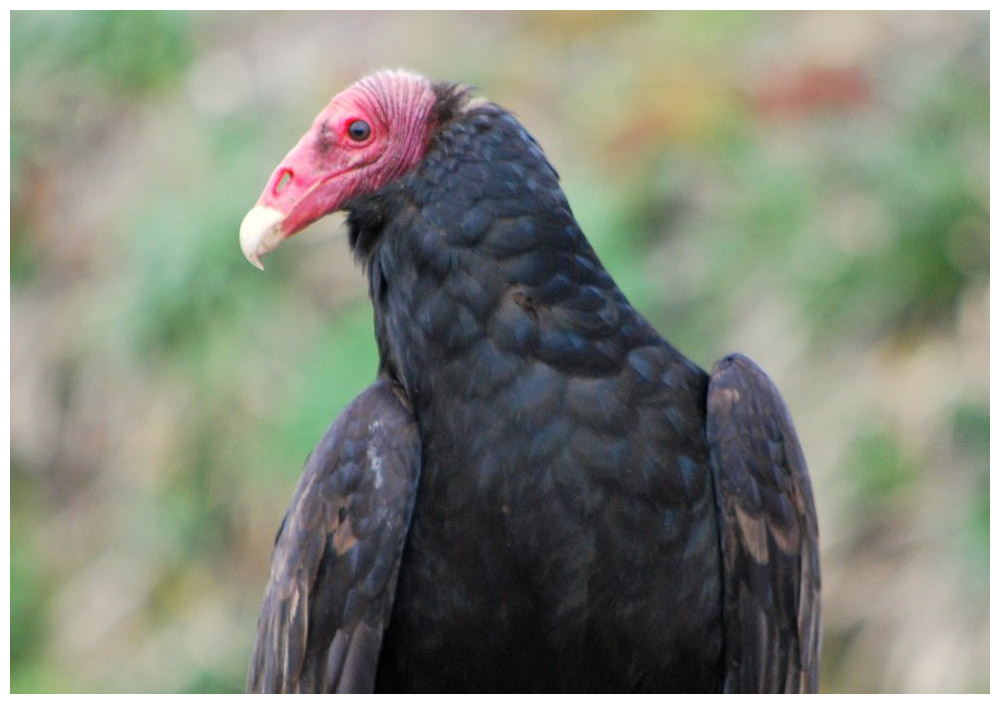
<point>260,233</point>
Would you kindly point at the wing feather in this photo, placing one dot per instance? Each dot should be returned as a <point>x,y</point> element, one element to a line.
<point>771,582</point>
<point>336,557</point>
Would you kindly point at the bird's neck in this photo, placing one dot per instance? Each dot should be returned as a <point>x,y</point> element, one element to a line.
<point>475,260</point>
<point>469,312</point>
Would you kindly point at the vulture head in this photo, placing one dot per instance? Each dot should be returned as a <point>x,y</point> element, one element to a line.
<point>369,134</point>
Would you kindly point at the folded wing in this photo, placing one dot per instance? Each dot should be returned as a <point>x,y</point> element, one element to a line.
<point>336,557</point>
<point>771,592</point>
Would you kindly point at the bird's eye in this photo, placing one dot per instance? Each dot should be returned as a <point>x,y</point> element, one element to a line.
<point>359,130</point>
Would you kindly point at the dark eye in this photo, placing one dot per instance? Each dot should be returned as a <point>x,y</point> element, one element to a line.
<point>359,130</point>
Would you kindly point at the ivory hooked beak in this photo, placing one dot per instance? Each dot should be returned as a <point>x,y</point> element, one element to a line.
<point>261,233</point>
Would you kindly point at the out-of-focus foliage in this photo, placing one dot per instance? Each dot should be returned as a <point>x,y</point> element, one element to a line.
<point>811,189</point>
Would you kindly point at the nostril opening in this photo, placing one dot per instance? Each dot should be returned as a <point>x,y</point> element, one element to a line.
<point>283,181</point>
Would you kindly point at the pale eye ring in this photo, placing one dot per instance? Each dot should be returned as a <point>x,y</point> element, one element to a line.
<point>359,130</point>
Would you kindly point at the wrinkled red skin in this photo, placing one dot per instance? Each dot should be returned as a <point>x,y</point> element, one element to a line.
<point>328,167</point>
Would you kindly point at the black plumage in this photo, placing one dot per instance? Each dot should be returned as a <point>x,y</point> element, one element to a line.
<point>336,558</point>
<point>591,511</point>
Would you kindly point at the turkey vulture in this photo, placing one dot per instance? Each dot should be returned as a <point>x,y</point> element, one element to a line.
<point>538,492</point>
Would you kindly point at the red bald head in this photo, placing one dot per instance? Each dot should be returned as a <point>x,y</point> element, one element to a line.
<point>370,134</point>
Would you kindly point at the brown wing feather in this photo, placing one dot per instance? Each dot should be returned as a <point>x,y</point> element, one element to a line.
<point>336,557</point>
<point>770,548</point>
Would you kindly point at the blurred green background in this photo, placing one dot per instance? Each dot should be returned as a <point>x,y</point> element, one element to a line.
<point>811,189</point>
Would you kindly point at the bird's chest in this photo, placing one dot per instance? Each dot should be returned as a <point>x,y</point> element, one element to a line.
<point>553,533</point>
<point>564,533</point>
